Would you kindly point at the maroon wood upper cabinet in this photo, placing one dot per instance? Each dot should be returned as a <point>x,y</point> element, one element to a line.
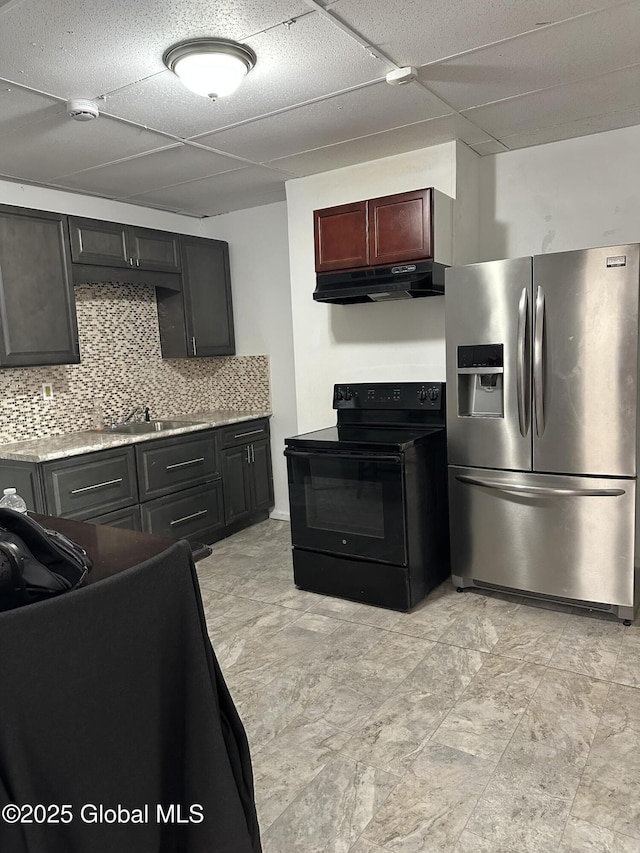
<point>341,237</point>
<point>400,228</point>
<point>377,232</point>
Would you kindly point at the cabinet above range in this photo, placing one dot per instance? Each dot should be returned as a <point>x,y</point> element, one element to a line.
<point>366,250</point>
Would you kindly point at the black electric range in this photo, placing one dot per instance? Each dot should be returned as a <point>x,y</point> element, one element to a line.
<point>368,497</point>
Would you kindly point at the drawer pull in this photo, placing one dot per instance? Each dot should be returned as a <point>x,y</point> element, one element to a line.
<point>251,432</point>
<point>182,464</point>
<point>96,486</point>
<point>189,517</point>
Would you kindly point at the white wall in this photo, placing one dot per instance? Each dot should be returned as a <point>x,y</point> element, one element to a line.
<point>42,198</point>
<point>259,258</point>
<point>565,195</point>
<point>391,341</point>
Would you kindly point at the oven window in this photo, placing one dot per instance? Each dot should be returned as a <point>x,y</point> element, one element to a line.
<point>345,505</point>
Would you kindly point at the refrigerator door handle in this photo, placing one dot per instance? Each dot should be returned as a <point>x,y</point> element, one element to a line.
<point>539,491</point>
<point>538,363</point>
<point>523,402</point>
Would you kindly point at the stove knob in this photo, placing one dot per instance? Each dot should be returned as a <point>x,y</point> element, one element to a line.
<point>422,395</point>
<point>348,395</point>
<point>339,394</point>
<point>433,394</point>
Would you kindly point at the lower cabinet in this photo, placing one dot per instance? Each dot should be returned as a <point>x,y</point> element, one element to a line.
<point>126,519</point>
<point>196,514</point>
<point>246,471</point>
<point>200,486</point>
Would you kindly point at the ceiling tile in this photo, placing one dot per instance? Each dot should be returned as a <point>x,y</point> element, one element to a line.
<point>413,32</point>
<point>309,60</point>
<point>248,187</point>
<point>385,144</point>
<point>619,90</point>
<point>60,145</point>
<point>19,107</point>
<point>582,48</point>
<point>140,174</point>
<point>569,130</point>
<point>76,49</point>
<point>352,115</point>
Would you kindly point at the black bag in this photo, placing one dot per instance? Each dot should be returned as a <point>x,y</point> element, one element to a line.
<point>36,563</point>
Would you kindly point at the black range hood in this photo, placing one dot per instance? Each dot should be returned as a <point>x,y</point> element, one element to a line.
<point>381,284</point>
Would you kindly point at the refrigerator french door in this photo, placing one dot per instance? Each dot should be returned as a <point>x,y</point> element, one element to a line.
<point>542,360</point>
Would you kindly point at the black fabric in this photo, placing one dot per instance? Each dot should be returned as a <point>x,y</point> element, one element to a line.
<point>113,696</point>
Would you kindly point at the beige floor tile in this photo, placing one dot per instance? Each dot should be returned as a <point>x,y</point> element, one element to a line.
<point>331,811</point>
<point>582,837</point>
<point>485,717</point>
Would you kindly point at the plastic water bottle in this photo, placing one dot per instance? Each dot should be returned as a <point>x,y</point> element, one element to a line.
<point>12,500</point>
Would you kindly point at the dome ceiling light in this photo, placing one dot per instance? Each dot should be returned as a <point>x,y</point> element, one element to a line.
<point>210,67</point>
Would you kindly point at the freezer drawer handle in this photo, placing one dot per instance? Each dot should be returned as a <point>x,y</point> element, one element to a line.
<point>188,517</point>
<point>182,464</point>
<point>538,363</point>
<point>540,491</point>
<point>523,396</point>
<point>333,455</point>
<point>96,486</point>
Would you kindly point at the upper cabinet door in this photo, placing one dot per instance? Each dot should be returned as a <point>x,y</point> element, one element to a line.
<point>154,250</point>
<point>101,243</point>
<point>400,228</point>
<point>341,239</point>
<point>37,320</point>
<point>207,297</point>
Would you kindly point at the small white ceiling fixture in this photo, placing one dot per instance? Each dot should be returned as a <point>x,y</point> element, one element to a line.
<point>402,75</point>
<point>81,109</point>
<point>209,66</point>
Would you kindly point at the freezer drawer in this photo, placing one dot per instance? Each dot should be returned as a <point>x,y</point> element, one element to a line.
<point>564,537</point>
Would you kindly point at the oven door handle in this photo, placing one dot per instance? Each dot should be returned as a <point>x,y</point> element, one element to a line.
<point>332,454</point>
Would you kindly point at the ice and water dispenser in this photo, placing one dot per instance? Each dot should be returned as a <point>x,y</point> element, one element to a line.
<point>480,381</point>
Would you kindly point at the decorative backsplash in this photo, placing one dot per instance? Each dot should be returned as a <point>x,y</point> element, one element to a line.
<point>122,368</point>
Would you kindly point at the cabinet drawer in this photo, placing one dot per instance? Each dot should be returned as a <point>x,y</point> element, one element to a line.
<point>85,486</point>
<point>174,463</point>
<point>195,513</point>
<point>244,433</point>
<point>126,519</point>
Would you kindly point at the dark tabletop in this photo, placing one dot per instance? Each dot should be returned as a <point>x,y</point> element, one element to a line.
<point>112,549</point>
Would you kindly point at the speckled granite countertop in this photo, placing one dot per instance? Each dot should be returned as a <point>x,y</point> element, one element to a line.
<point>75,443</point>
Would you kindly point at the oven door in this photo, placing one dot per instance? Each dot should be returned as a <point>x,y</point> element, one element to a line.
<point>348,503</point>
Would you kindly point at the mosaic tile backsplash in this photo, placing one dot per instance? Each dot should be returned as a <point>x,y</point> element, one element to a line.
<point>122,368</point>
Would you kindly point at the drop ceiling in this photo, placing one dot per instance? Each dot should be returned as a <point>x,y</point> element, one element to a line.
<point>496,74</point>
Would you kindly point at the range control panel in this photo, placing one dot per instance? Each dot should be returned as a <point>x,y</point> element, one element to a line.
<point>389,395</point>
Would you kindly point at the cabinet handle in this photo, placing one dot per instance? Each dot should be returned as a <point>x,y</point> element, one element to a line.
<point>130,262</point>
<point>189,517</point>
<point>251,432</point>
<point>253,454</point>
<point>182,464</point>
<point>193,345</point>
<point>137,262</point>
<point>96,486</point>
<point>248,455</point>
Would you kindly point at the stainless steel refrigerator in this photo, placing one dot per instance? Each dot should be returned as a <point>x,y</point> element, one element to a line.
<point>542,426</point>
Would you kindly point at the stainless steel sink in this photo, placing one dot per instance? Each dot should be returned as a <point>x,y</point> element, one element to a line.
<point>142,427</point>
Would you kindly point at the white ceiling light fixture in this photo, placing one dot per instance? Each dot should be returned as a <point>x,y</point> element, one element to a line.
<point>209,66</point>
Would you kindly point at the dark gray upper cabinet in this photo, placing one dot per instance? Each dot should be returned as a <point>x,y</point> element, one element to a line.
<point>199,321</point>
<point>111,244</point>
<point>37,311</point>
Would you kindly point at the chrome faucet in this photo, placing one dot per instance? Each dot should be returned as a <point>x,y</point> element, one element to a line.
<point>135,413</point>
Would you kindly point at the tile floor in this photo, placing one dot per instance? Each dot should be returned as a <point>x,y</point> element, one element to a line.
<point>475,724</point>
